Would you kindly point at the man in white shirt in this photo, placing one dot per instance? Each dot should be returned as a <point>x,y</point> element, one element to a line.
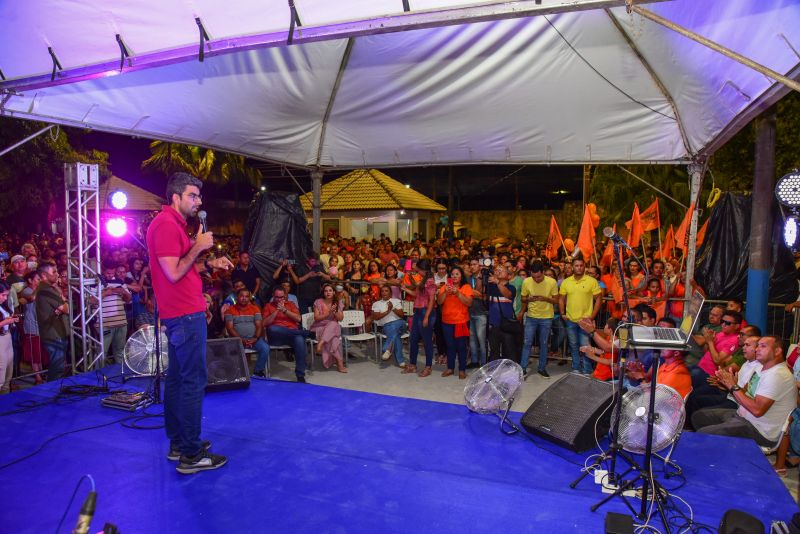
<point>388,314</point>
<point>765,402</point>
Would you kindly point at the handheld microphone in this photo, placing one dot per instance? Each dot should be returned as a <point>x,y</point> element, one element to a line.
<point>201,215</point>
<point>86,515</point>
<point>612,235</point>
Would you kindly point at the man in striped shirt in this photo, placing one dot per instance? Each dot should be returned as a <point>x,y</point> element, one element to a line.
<point>115,322</point>
<point>244,321</point>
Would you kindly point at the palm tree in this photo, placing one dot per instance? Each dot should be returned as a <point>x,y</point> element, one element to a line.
<point>204,163</point>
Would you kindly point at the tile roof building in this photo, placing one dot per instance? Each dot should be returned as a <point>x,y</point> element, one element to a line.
<point>367,203</point>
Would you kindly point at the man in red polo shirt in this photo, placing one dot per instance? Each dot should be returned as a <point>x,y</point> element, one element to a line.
<point>175,266</point>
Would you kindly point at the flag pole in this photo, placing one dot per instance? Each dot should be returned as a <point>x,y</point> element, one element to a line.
<point>660,246</point>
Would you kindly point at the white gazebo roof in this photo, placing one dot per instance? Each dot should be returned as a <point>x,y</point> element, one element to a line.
<point>370,84</point>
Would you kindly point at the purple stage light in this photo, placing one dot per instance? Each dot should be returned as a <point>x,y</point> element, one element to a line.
<point>116,227</point>
<point>119,200</point>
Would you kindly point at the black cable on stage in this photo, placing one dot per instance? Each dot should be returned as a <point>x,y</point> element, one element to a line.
<point>61,435</point>
<point>71,499</point>
<point>66,394</point>
<point>519,431</point>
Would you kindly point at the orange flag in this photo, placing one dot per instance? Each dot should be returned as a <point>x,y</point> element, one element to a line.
<point>554,239</point>
<point>608,253</point>
<point>682,233</point>
<point>636,228</point>
<point>651,219</point>
<point>586,235</point>
<point>669,244</point>
<point>701,233</point>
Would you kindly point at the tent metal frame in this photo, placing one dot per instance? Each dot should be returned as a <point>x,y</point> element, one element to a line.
<point>399,22</point>
<point>82,225</point>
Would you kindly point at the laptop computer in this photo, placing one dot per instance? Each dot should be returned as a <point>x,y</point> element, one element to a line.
<point>669,338</point>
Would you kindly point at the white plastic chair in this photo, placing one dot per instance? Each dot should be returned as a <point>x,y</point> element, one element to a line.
<point>378,330</point>
<point>773,449</point>
<point>354,320</point>
<point>307,319</point>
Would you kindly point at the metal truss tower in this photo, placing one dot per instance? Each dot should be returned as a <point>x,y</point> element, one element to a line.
<point>81,187</point>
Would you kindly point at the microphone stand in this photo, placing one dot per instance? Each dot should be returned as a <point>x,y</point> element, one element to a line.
<point>614,449</point>
<point>645,471</point>
<point>157,340</point>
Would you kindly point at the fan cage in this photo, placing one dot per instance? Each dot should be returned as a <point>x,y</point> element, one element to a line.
<point>140,352</point>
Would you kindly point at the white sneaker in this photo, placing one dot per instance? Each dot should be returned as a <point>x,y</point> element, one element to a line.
<point>403,365</point>
<point>386,355</point>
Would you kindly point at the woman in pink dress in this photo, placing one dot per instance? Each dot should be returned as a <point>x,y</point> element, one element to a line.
<point>327,314</point>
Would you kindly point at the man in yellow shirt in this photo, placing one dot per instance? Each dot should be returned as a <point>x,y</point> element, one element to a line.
<point>540,294</point>
<point>580,297</point>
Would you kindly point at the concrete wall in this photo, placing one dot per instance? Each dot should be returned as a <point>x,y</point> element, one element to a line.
<point>518,223</point>
<point>479,224</point>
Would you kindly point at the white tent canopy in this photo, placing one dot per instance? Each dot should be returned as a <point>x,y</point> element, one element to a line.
<point>451,81</point>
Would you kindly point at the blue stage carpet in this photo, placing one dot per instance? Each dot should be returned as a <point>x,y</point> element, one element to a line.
<point>305,458</point>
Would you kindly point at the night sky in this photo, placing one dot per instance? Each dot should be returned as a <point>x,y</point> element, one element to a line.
<point>478,187</point>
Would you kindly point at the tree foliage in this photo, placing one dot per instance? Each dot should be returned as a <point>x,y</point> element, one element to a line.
<point>204,163</point>
<point>32,175</point>
<point>730,169</point>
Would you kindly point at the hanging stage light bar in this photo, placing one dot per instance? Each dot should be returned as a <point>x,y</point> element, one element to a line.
<point>787,190</point>
<point>790,232</point>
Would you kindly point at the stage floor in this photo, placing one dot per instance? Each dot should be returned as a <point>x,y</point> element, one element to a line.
<point>306,458</point>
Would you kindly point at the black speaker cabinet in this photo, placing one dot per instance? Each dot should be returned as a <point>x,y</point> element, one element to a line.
<point>566,412</point>
<point>226,364</point>
<point>738,522</point>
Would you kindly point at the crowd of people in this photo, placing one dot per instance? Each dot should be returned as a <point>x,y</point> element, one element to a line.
<point>465,301</point>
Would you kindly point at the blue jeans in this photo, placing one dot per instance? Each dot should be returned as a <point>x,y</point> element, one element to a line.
<point>557,334</point>
<point>280,335</point>
<point>541,329</point>
<point>455,345</point>
<point>57,349</point>
<point>186,381</point>
<point>577,338</point>
<point>393,330</point>
<point>477,338</point>
<point>425,332</point>
<point>262,349</point>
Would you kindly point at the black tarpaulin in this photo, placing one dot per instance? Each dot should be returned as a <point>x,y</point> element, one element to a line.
<point>724,255</point>
<point>276,229</point>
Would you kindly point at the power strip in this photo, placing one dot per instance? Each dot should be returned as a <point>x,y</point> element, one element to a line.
<point>601,478</point>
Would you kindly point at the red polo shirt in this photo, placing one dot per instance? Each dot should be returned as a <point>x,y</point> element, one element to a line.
<point>167,237</point>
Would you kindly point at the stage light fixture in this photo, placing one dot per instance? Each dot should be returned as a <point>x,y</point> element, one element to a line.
<point>790,231</point>
<point>408,186</point>
<point>116,227</point>
<point>118,199</point>
<point>263,188</point>
<point>787,190</point>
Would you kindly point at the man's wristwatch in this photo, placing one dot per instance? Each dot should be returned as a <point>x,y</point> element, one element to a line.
<point>735,388</point>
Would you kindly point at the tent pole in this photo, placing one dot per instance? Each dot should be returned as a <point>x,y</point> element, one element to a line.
<point>450,223</point>
<point>761,220</point>
<point>696,172</point>
<point>316,179</point>
<point>788,82</point>
<point>32,136</point>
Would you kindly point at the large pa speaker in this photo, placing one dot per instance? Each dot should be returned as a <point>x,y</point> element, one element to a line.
<point>567,411</point>
<point>226,364</point>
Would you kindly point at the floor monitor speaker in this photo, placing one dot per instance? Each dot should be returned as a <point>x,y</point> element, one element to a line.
<point>567,411</point>
<point>226,364</point>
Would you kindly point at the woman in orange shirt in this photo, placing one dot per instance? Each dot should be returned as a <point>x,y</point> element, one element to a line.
<point>604,358</point>
<point>636,277</point>
<point>375,278</point>
<point>455,299</point>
